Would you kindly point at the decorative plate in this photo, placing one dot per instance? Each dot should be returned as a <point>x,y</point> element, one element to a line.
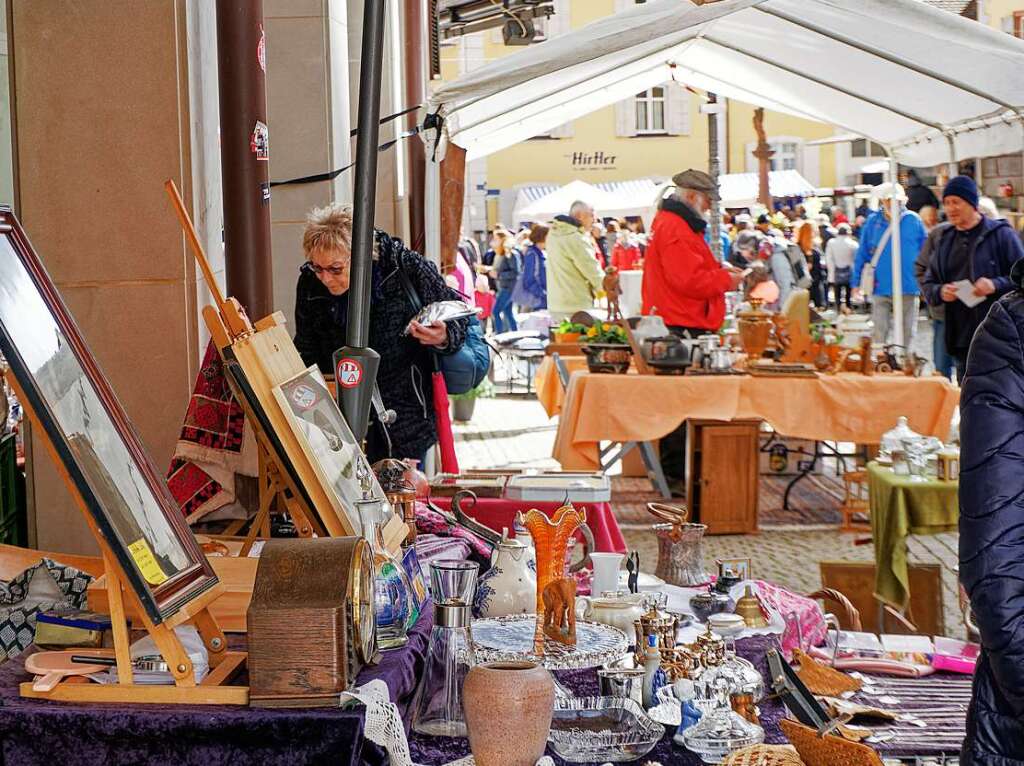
<point>499,639</point>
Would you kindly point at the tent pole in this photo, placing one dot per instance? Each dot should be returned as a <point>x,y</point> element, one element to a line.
<point>895,210</point>
<point>714,170</point>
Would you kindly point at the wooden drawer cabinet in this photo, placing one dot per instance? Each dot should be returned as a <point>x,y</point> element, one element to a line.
<point>722,474</point>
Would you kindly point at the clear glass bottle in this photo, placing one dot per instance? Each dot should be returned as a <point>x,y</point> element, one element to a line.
<point>395,606</point>
<point>437,707</point>
<point>720,730</point>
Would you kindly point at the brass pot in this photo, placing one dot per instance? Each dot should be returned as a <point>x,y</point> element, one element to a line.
<point>755,328</point>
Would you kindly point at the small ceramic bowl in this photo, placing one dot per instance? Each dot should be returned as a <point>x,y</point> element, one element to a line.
<point>726,624</point>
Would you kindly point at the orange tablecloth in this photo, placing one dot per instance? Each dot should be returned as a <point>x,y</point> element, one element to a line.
<point>847,407</point>
<point>549,387</point>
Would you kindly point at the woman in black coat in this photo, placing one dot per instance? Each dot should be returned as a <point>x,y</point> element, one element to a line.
<point>406,361</point>
<point>992,529</point>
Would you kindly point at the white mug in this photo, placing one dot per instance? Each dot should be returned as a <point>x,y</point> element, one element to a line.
<point>606,572</point>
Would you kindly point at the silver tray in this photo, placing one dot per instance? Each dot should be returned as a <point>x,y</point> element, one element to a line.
<point>600,729</point>
<point>499,639</point>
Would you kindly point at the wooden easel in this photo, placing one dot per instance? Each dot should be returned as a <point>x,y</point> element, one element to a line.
<point>223,664</point>
<point>265,352</point>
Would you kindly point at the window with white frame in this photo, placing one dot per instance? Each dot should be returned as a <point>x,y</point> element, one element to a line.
<point>861,147</point>
<point>650,111</point>
<point>787,155</point>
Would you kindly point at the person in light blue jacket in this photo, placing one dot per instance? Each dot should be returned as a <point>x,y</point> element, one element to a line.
<point>873,238</point>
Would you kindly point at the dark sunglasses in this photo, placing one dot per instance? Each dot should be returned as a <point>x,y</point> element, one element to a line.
<point>334,271</point>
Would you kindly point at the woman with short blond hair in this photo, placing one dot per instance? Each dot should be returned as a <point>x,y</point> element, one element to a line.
<point>406,362</point>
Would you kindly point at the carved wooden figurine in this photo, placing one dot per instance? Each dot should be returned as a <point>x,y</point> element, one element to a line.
<point>613,291</point>
<point>560,610</point>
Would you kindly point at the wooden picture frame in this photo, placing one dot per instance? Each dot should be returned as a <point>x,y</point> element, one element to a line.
<point>328,443</point>
<point>102,457</point>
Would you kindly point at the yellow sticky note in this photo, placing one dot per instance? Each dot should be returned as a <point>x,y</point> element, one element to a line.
<point>146,562</point>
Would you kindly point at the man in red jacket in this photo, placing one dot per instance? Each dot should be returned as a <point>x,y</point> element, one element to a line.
<point>684,284</point>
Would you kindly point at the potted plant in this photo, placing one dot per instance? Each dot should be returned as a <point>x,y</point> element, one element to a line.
<point>464,404</point>
<point>569,332</point>
<point>607,348</point>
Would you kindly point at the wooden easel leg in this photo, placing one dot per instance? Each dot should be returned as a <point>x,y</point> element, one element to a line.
<point>262,519</point>
<point>118,621</point>
<point>169,646</point>
<point>212,635</point>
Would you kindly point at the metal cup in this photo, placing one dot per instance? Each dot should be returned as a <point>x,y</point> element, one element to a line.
<point>623,682</point>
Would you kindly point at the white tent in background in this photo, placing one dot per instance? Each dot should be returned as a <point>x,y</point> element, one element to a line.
<point>559,201</point>
<point>929,86</point>
<point>741,189</point>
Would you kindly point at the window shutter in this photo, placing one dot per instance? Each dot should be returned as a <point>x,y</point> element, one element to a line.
<point>677,110</point>
<point>625,118</point>
<point>563,131</point>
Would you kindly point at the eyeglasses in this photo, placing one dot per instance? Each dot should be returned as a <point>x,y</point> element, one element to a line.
<point>334,271</point>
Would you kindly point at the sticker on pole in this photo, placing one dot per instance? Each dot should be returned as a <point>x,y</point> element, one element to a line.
<point>261,50</point>
<point>349,373</point>
<point>260,141</point>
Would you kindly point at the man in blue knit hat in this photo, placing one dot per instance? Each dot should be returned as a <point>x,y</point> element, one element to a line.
<point>974,249</point>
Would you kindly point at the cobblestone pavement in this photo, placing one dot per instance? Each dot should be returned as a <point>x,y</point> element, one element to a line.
<point>513,431</point>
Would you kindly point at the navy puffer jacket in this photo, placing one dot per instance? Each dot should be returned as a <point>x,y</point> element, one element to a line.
<point>992,530</point>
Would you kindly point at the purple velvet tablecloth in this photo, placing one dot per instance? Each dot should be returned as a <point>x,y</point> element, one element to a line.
<point>434,751</point>
<point>37,732</point>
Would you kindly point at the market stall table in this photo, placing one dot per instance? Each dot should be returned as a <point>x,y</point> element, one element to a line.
<point>550,392</point>
<point>902,506</point>
<point>43,732</point>
<point>499,512</point>
<point>842,408</point>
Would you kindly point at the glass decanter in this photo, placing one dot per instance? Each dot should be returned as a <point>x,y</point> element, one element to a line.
<point>437,707</point>
<point>720,730</point>
<point>396,606</point>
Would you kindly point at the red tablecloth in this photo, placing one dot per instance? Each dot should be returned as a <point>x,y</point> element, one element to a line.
<point>498,512</point>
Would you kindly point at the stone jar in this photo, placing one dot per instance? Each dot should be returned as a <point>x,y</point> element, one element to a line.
<point>508,709</point>
<point>510,585</point>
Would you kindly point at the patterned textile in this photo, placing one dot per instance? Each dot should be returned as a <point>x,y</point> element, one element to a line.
<point>214,444</point>
<point>812,627</point>
<point>431,522</point>
<point>47,585</point>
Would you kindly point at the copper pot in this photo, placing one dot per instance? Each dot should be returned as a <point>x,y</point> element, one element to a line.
<point>755,328</point>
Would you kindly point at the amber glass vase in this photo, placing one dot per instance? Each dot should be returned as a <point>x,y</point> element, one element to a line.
<point>551,538</point>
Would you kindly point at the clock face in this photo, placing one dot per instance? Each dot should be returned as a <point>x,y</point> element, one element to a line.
<point>364,620</point>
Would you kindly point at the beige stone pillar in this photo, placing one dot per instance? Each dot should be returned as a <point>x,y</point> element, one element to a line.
<point>103,117</point>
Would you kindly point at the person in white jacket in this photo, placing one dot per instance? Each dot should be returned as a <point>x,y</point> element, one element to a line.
<point>840,255</point>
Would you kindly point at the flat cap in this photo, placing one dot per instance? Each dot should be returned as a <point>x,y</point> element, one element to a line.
<point>697,180</point>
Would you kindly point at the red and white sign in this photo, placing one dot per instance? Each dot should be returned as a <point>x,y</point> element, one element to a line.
<point>349,373</point>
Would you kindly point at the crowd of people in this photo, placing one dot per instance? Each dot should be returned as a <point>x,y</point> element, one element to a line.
<point>560,265</point>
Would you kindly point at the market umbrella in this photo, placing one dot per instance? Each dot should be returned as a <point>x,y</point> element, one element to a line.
<point>445,438</point>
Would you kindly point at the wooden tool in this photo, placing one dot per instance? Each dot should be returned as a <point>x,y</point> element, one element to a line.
<point>54,667</point>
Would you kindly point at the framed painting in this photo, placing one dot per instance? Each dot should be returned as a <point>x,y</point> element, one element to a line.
<point>328,442</point>
<point>104,460</point>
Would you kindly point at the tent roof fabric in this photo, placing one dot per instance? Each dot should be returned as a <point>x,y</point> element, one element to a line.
<point>926,82</point>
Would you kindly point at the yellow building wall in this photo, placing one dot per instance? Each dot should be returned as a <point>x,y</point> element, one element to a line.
<point>994,11</point>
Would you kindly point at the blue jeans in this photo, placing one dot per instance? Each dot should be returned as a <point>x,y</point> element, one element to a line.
<point>504,316</point>
<point>940,356</point>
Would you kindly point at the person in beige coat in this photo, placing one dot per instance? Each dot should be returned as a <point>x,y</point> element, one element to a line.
<point>574,275</point>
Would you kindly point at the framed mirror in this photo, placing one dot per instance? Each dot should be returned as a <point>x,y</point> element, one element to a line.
<point>98,449</point>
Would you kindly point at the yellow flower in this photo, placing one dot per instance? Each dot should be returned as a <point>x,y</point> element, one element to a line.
<point>592,332</point>
<point>606,327</point>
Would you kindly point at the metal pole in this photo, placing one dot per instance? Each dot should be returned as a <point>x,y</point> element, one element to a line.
<point>897,267</point>
<point>714,168</point>
<point>356,364</point>
<point>415,93</point>
<point>245,154</point>
<point>371,61</point>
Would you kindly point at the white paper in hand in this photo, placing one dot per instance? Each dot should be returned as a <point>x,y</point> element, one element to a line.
<point>965,292</point>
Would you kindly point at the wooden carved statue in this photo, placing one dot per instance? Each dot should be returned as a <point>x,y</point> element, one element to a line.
<point>613,291</point>
<point>764,154</point>
<point>560,610</point>
<point>556,590</point>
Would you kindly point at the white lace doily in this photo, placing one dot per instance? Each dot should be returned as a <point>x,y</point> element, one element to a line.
<point>383,725</point>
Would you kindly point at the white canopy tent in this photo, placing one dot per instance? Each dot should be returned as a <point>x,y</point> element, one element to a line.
<point>930,86</point>
<point>562,198</point>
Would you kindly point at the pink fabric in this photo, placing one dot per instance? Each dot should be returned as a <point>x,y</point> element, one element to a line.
<point>807,613</point>
<point>445,438</point>
<point>466,281</point>
<point>499,512</point>
<point>484,302</point>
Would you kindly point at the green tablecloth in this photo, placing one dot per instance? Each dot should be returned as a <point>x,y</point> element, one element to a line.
<point>901,506</point>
